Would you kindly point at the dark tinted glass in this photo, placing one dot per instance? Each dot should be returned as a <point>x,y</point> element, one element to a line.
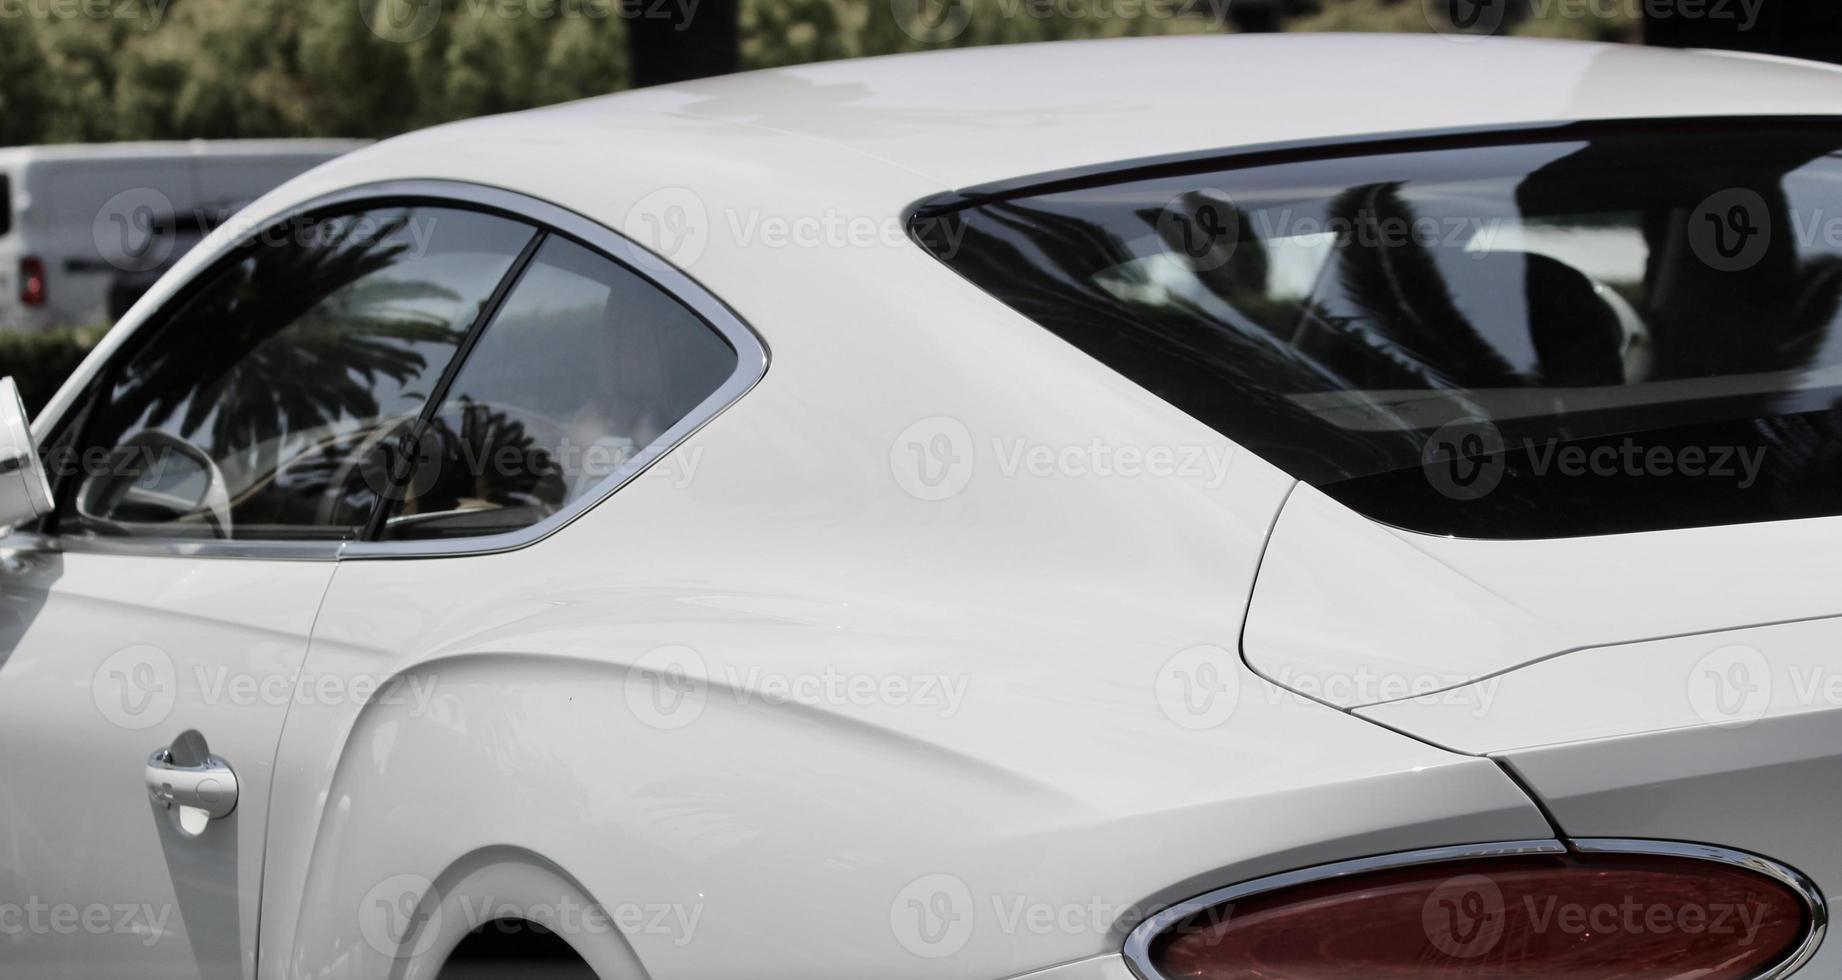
<point>258,409</point>
<point>1610,330</point>
<point>586,365</point>
<point>6,204</point>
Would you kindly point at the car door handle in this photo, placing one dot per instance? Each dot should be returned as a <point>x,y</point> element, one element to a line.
<point>209,786</point>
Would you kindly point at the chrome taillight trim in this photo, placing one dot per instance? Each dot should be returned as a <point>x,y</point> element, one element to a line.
<point>1137,950</point>
<point>1138,942</point>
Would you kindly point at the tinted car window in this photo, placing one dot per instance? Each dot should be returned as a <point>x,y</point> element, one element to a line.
<point>585,366</point>
<point>6,204</point>
<point>1548,335</point>
<point>258,409</point>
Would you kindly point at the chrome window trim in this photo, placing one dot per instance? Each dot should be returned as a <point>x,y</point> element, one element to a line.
<point>751,365</point>
<point>257,549</point>
<point>1321,148</point>
<point>1137,950</point>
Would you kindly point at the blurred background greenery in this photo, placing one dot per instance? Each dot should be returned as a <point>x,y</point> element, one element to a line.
<point>212,69</point>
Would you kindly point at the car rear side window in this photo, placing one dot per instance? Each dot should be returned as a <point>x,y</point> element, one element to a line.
<point>263,406</point>
<point>583,369</point>
<point>6,204</point>
<point>1584,331</point>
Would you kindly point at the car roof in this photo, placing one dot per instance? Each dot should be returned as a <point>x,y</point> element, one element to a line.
<point>969,116</point>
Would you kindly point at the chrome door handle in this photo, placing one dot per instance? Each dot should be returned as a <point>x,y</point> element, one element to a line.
<point>209,786</point>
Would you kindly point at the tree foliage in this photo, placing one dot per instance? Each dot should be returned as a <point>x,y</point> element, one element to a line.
<point>210,69</point>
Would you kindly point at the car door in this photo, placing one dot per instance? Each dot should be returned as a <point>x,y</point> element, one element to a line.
<point>152,632</point>
<point>588,375</point>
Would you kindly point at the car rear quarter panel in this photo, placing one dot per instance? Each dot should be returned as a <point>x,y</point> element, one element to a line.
<point>1729,738</point>
<point>1056,792</point>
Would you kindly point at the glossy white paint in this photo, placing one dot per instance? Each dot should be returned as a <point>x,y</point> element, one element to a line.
<point>104,659</point>
<point>526,759</point>
<point>1354,613</point>
<point>1056,782</point>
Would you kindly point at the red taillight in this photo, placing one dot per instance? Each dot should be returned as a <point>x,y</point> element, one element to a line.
<point>1536,917</point>
<point>32,282</point>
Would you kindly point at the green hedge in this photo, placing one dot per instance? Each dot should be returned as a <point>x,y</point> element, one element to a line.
<point>40,362</point>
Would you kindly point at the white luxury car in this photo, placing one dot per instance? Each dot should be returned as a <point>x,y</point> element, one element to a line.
<point>1299,507</point>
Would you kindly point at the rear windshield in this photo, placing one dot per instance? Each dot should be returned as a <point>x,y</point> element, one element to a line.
<point>1592,331</point>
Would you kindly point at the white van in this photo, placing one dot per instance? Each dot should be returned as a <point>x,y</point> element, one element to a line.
<point>79,222</point>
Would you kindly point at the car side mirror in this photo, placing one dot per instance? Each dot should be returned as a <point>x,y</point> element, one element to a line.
<point>156,482</point>
<point>25,492</point>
